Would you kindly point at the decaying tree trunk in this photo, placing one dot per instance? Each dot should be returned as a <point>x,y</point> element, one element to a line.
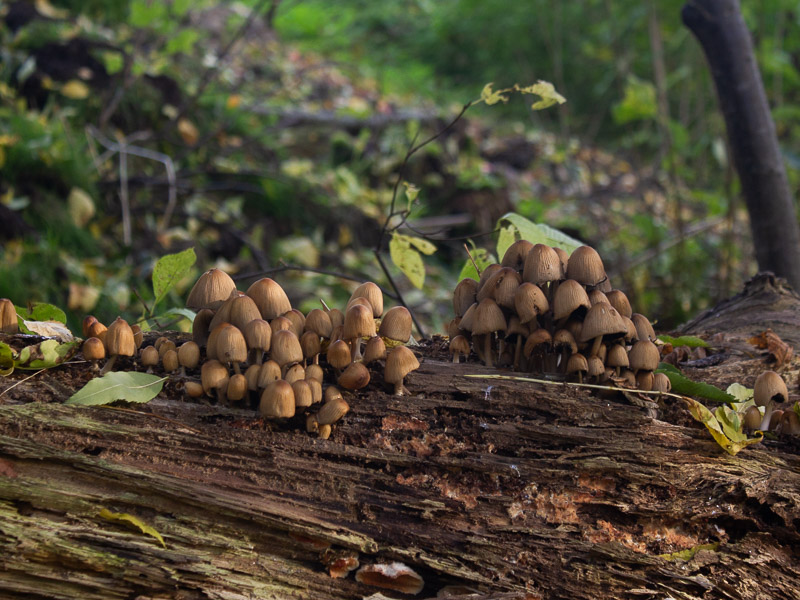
<point>511,488</point>
<point>721,31</point>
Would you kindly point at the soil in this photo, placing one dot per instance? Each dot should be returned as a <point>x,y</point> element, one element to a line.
<point>499,488</point>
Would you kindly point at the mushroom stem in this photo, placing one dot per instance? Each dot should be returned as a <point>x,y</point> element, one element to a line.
<point>355,348</point>
<point>108,366</point>
<point>221,393</point>
<point>236,368</point>
<point>596,345</point>
<point>398,388</point>
<point>767,416</point>
<point>455,357</point>
<point>487,350</point>
<point>517,352</point>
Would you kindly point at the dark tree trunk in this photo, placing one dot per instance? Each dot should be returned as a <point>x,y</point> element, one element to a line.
<point>720,29</point>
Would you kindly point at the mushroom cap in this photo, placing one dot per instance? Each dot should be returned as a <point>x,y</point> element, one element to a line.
<point>281,322</point>
<point>119,339</point>
<point>309,343</point>
<point>619,300</point>
<point>270,371</point>
<point>375,349</point>
<point>285,348</point>
<point>595,366</point>
<point>93,349</point>
<point>596,296</point>
<point>396,324</point>
<point>373,293</point>
<point>769,386</point>
<point>538,339</point>
<point>661,383</point>
<point>87,322</point>
<point>319,322</point>
<point>231,346</point>
<point>602,320</point>
<point>213,375</point>
<point>210,290</point>
<point>339,354</point>
<point>138,335</point>
<point>242,311</point>
<point>644,330</point>
<point>563,256</point>
<point>294,373</point>
<point>460,345</point>
<point>251,374</point>
<point>464,295</point>
<point>644,356</point>
<point>336,316</point>
<point>468,319</point>
<point>393,576</point>
<point>515,327</point>
<point>542,265</point>
<point>486,274</point>
<point>563,338</point>
<point>488,318</point>
<point>237,387</point>
<point>358,322</point>
<point>148,355</point>
<point>354,377</point>
<point>211,344</point>
<point>503,286</point>
<point>515,255</point>
<point>189,355</point>
<point>399,363</point>
<point>201,326</point>
<point>297,319</point>
<point>315,372</point>
<point>577,363</point>
<point>333,410</point>
<point>585,266</point>
<point>258,335</point>
<point>617,356</point>
<point>530,302</point>
<point>270,298</point>
<point>569,297</point>
<point>277,401</point>
<point>303,397</point>
<point>223,313</point>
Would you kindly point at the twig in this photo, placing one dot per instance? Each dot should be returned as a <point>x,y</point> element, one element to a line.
<point>472,260</point>
<point>11,387</point>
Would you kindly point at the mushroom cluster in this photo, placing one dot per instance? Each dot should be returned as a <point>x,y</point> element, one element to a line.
<point>543,311</point>
<point>101,342</point>
<point>262,351</point>
<point>770,393</point>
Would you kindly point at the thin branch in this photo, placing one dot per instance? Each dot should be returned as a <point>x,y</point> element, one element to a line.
<point>11,387</point>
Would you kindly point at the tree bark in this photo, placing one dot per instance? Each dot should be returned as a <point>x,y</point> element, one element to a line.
<point>516,490</point>
<point>721,31</point>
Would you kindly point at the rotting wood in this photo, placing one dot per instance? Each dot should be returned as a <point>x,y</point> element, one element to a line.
<point>515,489</point>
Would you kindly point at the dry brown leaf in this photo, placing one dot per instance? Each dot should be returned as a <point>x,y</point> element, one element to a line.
<point>778,351</point>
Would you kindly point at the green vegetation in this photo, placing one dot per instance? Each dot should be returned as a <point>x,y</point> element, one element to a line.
<point>271,143</point>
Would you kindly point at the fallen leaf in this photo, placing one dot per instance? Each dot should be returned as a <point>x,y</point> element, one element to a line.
<point>132,521</point>
<point>776,348</point>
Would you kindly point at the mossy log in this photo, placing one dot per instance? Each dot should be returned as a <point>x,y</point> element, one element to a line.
<point>512,489</point>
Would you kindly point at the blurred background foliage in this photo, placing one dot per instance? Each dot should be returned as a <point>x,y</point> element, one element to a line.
<point>269,135</point>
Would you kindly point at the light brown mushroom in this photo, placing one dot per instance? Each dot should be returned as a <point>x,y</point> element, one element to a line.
<point>118,342</point>
<point>769,390</point>
<point>270,298</point>
<point>399,363</point>
<point>277,401</point>
<point>210,290</point>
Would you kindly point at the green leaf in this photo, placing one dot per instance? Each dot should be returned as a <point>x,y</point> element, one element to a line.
<point>539,233</point>
<point>133,521</point>
<point>6,359</point>
<point>639,102</point>
<point>684,385</point>
<point>41,312</point>
<point>45,355</point>
<point>407,259</point>
<point>689,341</point>
<point>482,257</point>
<point>176,312</point>
<point>689,553</point>
<point>169,270</point>
<point>490,97</point>
<point>700,413</point>
<point>548,93</point>
<point>506,237</point>
<point>739,392</point>
<point>730,423</point>
<point>118,385</point>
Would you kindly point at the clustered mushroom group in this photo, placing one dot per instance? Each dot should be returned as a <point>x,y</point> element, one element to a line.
<point>261,351</point>
<point>543,311</point>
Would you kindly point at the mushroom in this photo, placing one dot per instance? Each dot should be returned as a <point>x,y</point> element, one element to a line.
<point>751,419</point>
<point>258,335</point>
<point>661,383</point>
<point>358,323</point>
<point>214,377</point>
<point>170,361</point>
<point>285,349</point>
<point>210,290</point>
<point>602,321</point>
<point>400,362</point>
<point>543,268</point>
<point>530,302</point>
<point>237,387</point>
<point>315,372</point>
<point>501,287</point>
<point>570,298</point>
<point>643,356</point>
<point>619,300</point>
<point>396,324</point>
<point>644,330</point>
<point>564,342</point>
<point>270,298</point>
<point>231,347</point>
<point>488,319</point>
<point>270,371</point>
<point>94,351</point>
<point>242,310</point>
<point>188,356</point>
<point>459,346</point>
<point>515,255</point>
<point>770,388</point>
<point>577,363</point>
<point>392,576</point>
<point>282,323</point>
<point>319,322</point>
<point>586,267</point>
<point>310,345</point>
<point>297,319</point>
<point>536,347</point>
<point>596,296</point>
<point>201,326</point>
<point>464,296</point>
<point>596,369</point>
<point>149,357</point>
<point>617,358</point>
<point>193,389</point>
<point>355,376</point>
<point>333,410</point>
<point>339,355</point>
<point>296,372</point>
<point>138,336</point>
<point>277,401</point>
<point>374,350</point>
<point>87,322</point>
<point>303,397</point>
<point>98,330</point>
<point>371,292</point>
<point>118,342</point>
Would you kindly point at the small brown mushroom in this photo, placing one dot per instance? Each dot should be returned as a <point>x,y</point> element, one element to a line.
<point>400,362</point>
<point>277,401</point>
<point>94,351</point>
<point>210,290</point>
<point>188,356</point>
<point>214,378</point>
<point>770,388</point>
<point>118,342</point>
<point>396,324</point>
<point>392,576</point>
<point>459,346</point>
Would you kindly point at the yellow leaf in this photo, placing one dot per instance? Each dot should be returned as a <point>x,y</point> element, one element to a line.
<point>81,207</point>
<point>188,131</point>
<point>490,97</point>
<point>548,93</point>
<point>133,521</point>
<point>689,553</point>
<point>8,139</point>
<point>407,259</point>
<point>422,245</point>
<point>700,413</point>
<point>77,90</point>
<point>44,8</point>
